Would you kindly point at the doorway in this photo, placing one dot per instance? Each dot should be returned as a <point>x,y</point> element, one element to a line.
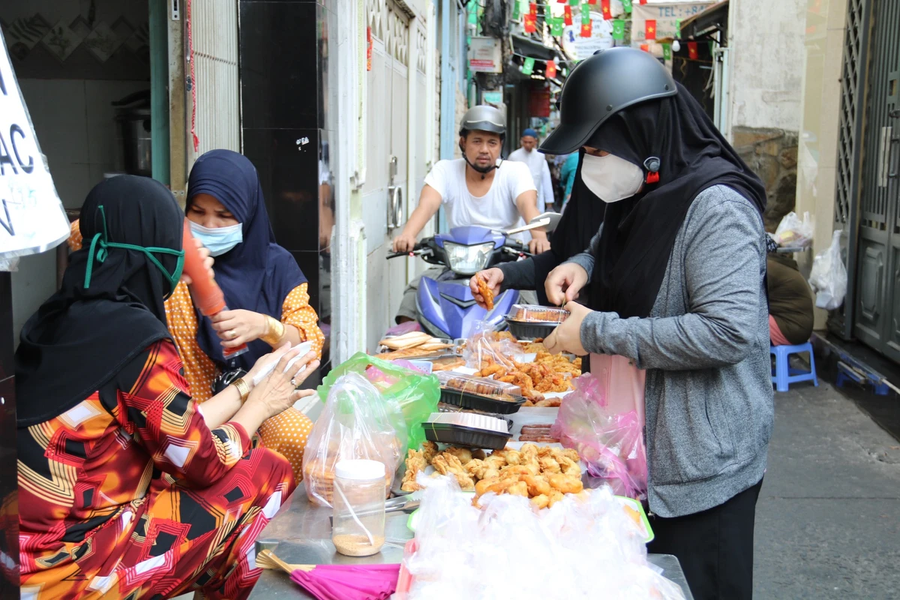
<point>877,310</point>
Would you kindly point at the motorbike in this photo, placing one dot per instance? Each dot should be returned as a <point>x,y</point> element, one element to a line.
<point>446,307</point>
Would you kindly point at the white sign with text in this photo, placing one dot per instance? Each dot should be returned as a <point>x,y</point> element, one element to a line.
<point>32,218</point>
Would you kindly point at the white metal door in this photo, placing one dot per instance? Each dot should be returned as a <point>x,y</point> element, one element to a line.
<point>213,35</point>
<point>387,122</point>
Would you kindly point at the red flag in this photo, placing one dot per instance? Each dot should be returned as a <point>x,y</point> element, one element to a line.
<point>645,47</point>
<point>550,71</point>
<point>532,9</point>
<point>592,1</point>
<point>561,1</point>
<point>530,24</point>
<point>643,2</point>
<point>650,29</point>
<point>586,30</point>
<point>568,15</point>
<point>692,51</point>
<point>607,11</point>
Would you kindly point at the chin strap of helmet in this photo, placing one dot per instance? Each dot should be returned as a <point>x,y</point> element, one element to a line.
<point>483,170</point>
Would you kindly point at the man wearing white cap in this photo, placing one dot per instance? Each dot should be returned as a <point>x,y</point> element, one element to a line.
<point>537,164</point>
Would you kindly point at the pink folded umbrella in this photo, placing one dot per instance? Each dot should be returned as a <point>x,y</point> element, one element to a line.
<point>339,582</point>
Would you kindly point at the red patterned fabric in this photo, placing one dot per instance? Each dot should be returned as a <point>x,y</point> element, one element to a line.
<point>130,495</point>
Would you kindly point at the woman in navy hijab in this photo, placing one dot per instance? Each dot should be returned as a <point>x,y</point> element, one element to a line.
<point>265,290</point>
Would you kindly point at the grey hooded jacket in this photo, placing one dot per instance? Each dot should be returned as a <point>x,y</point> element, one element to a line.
<point>705,347</point>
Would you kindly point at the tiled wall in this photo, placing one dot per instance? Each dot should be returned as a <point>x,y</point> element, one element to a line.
<point>75,125</point>
<point>286,128</point>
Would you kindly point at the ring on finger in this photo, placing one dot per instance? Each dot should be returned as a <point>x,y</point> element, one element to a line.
<point>293,382</point>
<point>232,334</point>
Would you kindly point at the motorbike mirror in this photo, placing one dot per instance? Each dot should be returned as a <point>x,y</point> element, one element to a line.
<point>553,220</point>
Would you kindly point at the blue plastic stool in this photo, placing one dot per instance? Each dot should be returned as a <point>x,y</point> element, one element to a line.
<point>784,375</point>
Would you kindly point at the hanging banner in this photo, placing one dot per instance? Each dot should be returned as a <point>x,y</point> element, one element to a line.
<point>485,55</point>
<point>663,17</point>
<point>600,38</point>
<point>32,218</point>
<point>539,103</point>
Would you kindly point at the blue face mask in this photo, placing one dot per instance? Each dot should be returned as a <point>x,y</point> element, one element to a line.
<point>218,240</point>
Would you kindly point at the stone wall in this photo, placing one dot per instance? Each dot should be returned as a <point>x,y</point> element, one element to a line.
<point>771,154</point>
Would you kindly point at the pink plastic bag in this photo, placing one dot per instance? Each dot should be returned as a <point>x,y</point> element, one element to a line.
<point>611,445</point>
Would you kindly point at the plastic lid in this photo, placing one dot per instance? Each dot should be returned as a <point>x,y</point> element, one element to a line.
<point>360,470</point>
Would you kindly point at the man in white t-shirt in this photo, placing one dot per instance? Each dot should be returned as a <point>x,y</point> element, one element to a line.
<point>478,189</point>
<point>537,164</point>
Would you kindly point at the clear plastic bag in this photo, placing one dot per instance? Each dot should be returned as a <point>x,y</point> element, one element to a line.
<point>793,232</point>
<point>611,445</point>
<point>828,277</point>
<point>355,424</point>
<point>581,548</point>
<point>411,396</point>
<point>490,347</point>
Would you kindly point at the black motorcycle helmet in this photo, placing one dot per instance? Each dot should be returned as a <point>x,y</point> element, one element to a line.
<point>482,118</point>
<point>601,86</point>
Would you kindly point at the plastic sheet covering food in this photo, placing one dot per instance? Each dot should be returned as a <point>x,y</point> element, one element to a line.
<point>354,424</point>
<point>487,346</point>
<point>578,549</point>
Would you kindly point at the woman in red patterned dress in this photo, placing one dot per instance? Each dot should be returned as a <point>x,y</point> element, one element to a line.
<point>126,488</point>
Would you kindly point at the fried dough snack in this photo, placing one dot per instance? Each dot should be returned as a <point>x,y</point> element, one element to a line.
<point>447,464</point>
<point>545,475</point>
<point>486,293</point>
<point>415,463</point>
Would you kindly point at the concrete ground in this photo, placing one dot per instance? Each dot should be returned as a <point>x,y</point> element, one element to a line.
<point>828,518</point>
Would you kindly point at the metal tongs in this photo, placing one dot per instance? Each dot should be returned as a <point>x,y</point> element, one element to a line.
<point>405,504</point>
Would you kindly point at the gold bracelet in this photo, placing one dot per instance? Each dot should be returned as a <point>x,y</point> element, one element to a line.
<point>242,387</point>
<point>274,331</point>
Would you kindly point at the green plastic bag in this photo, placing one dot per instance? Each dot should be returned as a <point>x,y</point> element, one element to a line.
<point>412,396</point>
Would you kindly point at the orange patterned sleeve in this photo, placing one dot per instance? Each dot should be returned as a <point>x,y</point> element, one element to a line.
<point>296,311</point>
<point>75,240</point>
<point>159,412</point>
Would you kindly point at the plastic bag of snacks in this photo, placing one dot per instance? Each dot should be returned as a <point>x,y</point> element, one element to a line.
<point>828,277</point>
<point>794,232</point>
<point>581,548</point>
<point>354,424</point>
<point>611,445</point>
<point>410,396</point>
<point>490,347</point>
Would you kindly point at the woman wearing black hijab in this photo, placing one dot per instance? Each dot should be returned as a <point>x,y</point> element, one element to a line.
<point>124,489</point>
<point>677,323</point>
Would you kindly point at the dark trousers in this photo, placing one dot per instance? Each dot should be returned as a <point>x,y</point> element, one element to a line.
<point>714,547</point>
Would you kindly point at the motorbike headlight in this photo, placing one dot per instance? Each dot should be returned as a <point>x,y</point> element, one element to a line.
<point>468,260</point>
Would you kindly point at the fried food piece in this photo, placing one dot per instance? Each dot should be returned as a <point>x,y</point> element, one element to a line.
<point>486,293</point>
<point>555,497</point>
<point>429,450</point>
<point>566,484</point>
<point>540,502</point>
<point>569,467</point>
<point>447,464</point>
<point>537,486</point>
<point>492,369</point>
<point>481,488</point>
<point>476,468</point>
<point>463,454</point>
<point>571,454</point>
<point>518,489</point>
<point>478,454</point>
<point>415,464</point>
<point>514,471</point>
<point>495,461</point>
<point>549,465</point>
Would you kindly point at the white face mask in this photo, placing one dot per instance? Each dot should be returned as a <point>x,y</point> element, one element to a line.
<point>611,178</point>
